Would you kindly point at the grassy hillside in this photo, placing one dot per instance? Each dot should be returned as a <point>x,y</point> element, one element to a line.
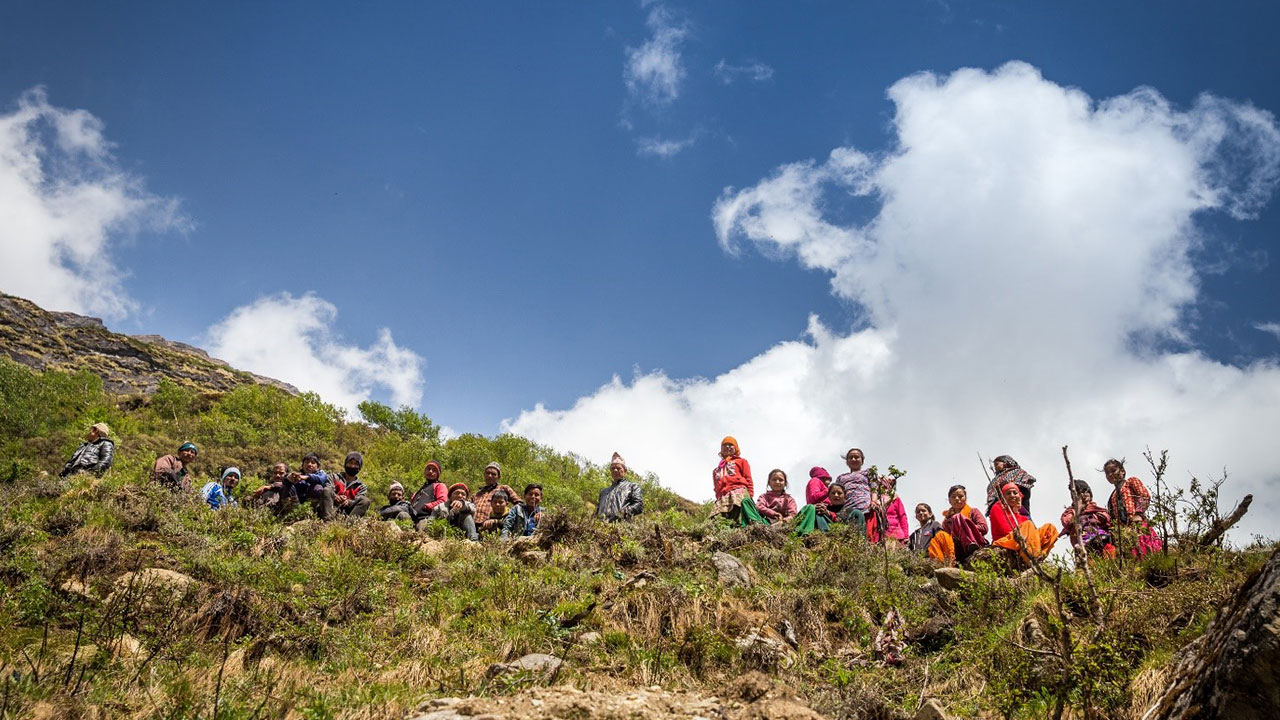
<point>121,601</point>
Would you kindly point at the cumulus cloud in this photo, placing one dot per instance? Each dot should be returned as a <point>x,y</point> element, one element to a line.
<point>661,147</point>
<point>729,73</point>
<point>1027,251</point>
<point>654,71</point>
<point>67,203</point>
<point>292,339</point>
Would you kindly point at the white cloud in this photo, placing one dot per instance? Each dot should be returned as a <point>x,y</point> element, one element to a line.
<point>661,147</point>
<point>654,71</point>
<point>66,204</point>
<point>292,339</point>
<point>728,73</point>
<point>1025,244</point>
<point>1271,328</point>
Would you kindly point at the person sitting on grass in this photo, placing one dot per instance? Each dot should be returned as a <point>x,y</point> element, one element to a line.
<point>1006,516</point>
<point>920,539</point>
<point>311,484</point>
<point>218,494</point>
<point>776,505</point>
<point>459,511</point>
<point>816,491</point>
<point>173,471</point>
<point>624,498</point>
<point>524,518</point>
<point>499,507</point>
<point>94,454</point>
<point>484,494</point>
<point>964,530</point>
<point>349,494</point>
<point>397,508</point>
<point>278,493</point>
<point>1095,523</point>
<point>431,495</point>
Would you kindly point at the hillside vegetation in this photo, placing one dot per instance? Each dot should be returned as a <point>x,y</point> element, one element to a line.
<point>122,600</point>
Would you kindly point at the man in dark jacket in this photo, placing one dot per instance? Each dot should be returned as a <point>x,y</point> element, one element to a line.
<point>624,498</point>
<point>94,455</point>
<point>349,494</point>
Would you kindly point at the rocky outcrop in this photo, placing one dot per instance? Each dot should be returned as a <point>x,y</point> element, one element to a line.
<point>127,364</point>
<point>1230,671</point>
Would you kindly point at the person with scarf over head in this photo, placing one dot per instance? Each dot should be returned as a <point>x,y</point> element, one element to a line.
<point>624,498</point>
<point>94,455</point>
<point>775,505</point>
<point>1128,506</point>
<point>349,494</point>
<point>1008,471</point>
<point>731,481</point>
<point>1006,516</point>
<point>887,517</point>
<point>816,491</point>
<point>218,494</point>
<point>964,530</point>
<point>919,540</point>
<point>1095,523</point>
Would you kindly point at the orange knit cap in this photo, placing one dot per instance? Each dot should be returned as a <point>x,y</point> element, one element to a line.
<point>455,486</point>
<point>729,439</point>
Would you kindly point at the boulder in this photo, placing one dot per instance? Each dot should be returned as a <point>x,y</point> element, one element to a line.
<point>1230,671</point>
<point>538,664</point>
<point>731,572</point>
<point>953,578</point>
<point>932,710</point>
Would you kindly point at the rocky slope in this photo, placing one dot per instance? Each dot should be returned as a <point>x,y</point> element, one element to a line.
<point>127,364</point>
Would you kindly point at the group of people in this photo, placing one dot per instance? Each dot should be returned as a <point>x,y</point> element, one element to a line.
<point>860,498</point>
<point>869,502</point>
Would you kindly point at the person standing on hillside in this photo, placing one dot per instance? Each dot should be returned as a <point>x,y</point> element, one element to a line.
<point>1008,471</point>
<point>483,498</point>
<point>173,471</point>
<point>218,493</point>
<point>432,494</point>
<point>731,480</point>
<point>94,454</point>
<point>350,496</point>
<point>1128,506</point>
<point>624,498</point>
<point>856,482</point>
<point>312,484</point>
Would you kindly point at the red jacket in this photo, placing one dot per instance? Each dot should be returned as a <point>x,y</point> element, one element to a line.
<point>730,475</point>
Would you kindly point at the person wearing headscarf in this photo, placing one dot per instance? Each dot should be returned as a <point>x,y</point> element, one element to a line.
<point>816,491</point>
<point>483,497</point>
<point>776,505</point>
<point>964,530</point>
<point>1006,516</point>
<point>1008,471</point>
<point>731,480</point>
<point>173,471</point>
<point>459,511</point>
<point>887,517</point>
<point>94,455</point>
<point>397,508</point>
<point>1094,525</point>
<point>624,498</point>
<point>923,535</point>
<point>856,482</point>
<point>218,494</point>
<point>350,496</point>
<point>1128,506</point>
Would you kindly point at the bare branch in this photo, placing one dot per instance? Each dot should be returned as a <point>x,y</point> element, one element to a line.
<point>1221,525</point>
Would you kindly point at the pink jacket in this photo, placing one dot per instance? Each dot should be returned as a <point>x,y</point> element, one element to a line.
<point>896,514</point>
<point>776,505</point>
<point>815,493</point>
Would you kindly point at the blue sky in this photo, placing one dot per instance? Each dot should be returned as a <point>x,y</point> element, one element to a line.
<point>473,178</point>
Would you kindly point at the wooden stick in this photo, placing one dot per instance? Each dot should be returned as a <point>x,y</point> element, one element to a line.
<point>1221,525</point>
<point>1081,553</point>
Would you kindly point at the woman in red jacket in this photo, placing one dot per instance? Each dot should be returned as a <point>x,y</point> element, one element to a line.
<point>731,480</point>
<point>1005,516</point>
